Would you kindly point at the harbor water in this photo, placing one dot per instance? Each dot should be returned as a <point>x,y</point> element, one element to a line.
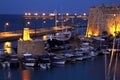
<point>92,69</point>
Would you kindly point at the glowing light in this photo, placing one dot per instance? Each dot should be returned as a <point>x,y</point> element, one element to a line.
<point>113,25</point>
<point>67,14</point>
<point>75,14</point>
<point>7,47</point>
<point>51,14</point>
<point>6,24</point>
<point>89,34</point>
<point>43,14</point>
<point>44,37</point>
<point>112,29</point>
<point>92,32</point>
<point>26,75</point>
<point>27,14</point>
<point>26,34</point>
<point>36,14</point>
<point>84,14</point>
<point>28,23</point>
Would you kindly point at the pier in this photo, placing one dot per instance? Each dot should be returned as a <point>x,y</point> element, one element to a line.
<point>15,35</point>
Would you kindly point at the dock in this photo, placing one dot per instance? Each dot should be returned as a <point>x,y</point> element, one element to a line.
<point>15,35</point>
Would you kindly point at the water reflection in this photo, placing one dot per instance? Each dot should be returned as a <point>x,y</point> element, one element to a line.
<point>8,47</point>
<point>6,75</point>
<point>26,75</point>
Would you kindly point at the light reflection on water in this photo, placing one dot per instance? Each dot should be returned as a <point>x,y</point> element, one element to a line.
<point>7,47</point>
<point>84,70</point>
<point>26,75</point>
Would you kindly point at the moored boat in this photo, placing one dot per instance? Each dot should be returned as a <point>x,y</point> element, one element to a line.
<point>28,60</point>
<point>57,60</point>
<point>14,61</point>
<point>44,61</point>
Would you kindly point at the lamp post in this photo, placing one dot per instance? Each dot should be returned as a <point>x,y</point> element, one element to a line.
<point>28,23</point>
<point>27,17</point>
<point>36,17</point>
<point>43,23</point>
<point>5,26</point>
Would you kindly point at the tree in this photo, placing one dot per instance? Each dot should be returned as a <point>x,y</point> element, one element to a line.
<point>104,33</point>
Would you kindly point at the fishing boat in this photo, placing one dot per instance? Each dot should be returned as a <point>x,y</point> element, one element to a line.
<point>28,60</point>
<point>44,61</point>
<point>57,60</point>
<point>14,61</point>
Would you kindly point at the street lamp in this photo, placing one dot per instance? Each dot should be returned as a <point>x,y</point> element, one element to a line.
<point>43,23</point>
<point>28,23</point>
<point>36,17</point>
<point>5,26</point>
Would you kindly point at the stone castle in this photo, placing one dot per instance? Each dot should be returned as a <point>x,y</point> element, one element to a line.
<point>103,18</point>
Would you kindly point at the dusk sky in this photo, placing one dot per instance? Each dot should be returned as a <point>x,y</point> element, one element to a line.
<point>40,6</point>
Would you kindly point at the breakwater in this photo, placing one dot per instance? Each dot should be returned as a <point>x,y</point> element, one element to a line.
<point>15,35</point>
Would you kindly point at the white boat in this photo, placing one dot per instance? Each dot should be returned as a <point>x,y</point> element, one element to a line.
<point>60,36</point>
<point>93,53</point>
<point>28,60</point>
<point>58,60</point>
<point>63,35</point>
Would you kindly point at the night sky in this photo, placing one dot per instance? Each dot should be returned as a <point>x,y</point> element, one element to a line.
<point>40,6</point>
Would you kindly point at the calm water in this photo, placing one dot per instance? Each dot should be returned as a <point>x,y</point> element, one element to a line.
<point>17,22</point>
<point>84,70</point>
<point>92,69</point>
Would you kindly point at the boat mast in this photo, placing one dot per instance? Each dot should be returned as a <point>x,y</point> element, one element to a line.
<point>55,12</point>
<point>113,50</point>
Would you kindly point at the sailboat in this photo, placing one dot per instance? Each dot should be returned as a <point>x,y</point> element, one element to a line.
<point>63,35</point>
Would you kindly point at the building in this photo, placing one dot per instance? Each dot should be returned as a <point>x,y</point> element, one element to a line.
<point>103,18</point>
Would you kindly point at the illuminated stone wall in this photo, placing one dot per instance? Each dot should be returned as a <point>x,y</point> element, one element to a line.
<point>101,18</point>
<point>30,46</point>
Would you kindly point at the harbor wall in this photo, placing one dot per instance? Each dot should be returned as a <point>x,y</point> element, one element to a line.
<point>103,18</point>
<point>31,46</point>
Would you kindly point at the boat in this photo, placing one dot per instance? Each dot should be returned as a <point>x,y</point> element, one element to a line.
<point>14,61</point>
<point>57,60</point>
<point>44,61</point>
<point>63,35</point>
<point>28,60</point>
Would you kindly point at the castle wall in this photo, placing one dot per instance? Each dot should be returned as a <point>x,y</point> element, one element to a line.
<point>101,18</point>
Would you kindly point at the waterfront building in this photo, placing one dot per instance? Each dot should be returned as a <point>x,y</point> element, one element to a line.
<point>103,18</point>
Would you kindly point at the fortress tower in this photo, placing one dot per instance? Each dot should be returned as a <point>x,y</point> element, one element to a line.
<point>103,18</point>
